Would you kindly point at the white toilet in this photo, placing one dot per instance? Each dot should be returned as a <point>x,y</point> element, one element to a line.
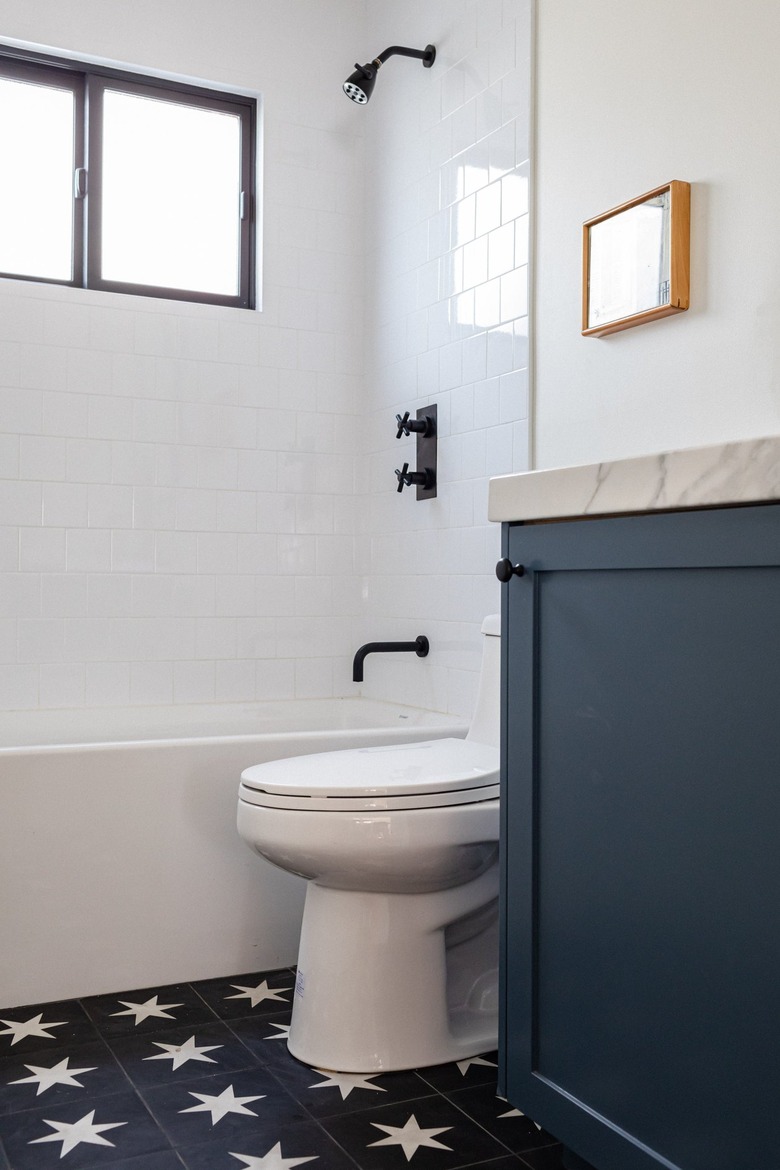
<point>398,959</point>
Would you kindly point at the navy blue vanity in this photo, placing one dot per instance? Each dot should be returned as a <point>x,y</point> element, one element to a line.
<point>641,825</point>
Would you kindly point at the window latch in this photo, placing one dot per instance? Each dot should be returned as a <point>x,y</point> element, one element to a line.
<point>80,182</point>
<point>243,206</point>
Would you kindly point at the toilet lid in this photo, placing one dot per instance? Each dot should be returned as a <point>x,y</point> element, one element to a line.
<point>410,775</point>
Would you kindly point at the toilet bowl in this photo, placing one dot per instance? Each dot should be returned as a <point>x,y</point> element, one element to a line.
<point>398,958</point>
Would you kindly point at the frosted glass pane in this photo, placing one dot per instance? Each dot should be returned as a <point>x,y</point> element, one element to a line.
<point>36,192</point>
<point>171,187</point>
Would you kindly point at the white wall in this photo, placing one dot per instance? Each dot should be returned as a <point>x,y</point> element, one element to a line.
<point>630,96</point>
<point>446,307</point>
<point>177,481</point>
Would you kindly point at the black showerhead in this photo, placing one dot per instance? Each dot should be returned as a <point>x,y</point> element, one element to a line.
<point>360,84</point>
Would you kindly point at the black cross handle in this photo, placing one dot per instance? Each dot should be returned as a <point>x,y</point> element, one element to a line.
<point>406,477</point>
<point>419,426</point>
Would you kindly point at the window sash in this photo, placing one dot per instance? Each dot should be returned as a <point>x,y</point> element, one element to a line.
<point>20,70</point>
<point>88,84</point>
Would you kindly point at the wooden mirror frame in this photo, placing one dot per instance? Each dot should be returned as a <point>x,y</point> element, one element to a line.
<point>679,260</point>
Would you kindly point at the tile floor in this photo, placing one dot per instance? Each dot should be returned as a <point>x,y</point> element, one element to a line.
<point>198,1075</point>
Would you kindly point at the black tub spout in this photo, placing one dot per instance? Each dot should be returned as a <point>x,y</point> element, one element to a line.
<point>420,647</point>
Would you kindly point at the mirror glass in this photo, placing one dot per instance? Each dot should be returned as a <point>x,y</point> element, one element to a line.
<point>629,261</point>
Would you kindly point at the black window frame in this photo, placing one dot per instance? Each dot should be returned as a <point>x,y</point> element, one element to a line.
<point>88,83</point>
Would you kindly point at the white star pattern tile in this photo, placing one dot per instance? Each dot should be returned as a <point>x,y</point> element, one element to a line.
<point>72,1134</point>
<point>465,1065</point>
<point>259,994</point>
<point>345,1082</point>
<point>52,1077</point>
<point>273,1160</point>
<point>411,1136</point>
<point>282,1034</point>
<point>433,1132</point>
<point>20,1029</point>
<point>179,1054</point>
<point>143,1011</point>
<point>225,1108</point>
<point>221,1104</point>
<point>148,1010</point>
<point>78,1132</point>
<point>57,1074</point>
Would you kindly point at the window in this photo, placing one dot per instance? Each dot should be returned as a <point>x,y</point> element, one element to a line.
<point>124,183</point>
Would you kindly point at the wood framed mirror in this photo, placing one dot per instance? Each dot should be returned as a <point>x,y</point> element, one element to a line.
<point>636,261</point>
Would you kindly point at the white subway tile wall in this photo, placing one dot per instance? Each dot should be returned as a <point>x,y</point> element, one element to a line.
<point>199,504</point>
<point>447,195</point>
<point>176,480</point>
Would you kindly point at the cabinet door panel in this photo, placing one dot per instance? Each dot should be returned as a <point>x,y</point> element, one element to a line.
<point>643,813</point>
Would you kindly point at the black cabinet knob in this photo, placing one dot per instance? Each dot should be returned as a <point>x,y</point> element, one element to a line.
<point>505,570</point>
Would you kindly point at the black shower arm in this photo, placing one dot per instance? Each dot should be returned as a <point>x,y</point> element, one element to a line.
<point>419,647</point>
<point>425,55</point>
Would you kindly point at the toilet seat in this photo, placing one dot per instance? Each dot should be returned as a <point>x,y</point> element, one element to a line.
<point>434,773</point>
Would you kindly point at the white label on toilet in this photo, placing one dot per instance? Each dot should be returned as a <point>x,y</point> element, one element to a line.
<point>300,983</point>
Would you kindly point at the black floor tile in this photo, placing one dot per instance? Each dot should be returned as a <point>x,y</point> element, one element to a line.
<point>181,1054</point>
<point>431,1130</point>
<point>476,1070</point>
<point>44,1025</point>
<point>547,1159</point>
<point>260,993</point>
<point>264,1036</point>
<point>508,1162</point>
<point>499,1118</point>
<point>152,1009</point>
<point>161,1160</point>
<point>301,1143</point>
<point>200,1076</point>
<point>225,1108</point>
<point>54,1075</point>
<point>331,1094</point>
<point>94,1131</point>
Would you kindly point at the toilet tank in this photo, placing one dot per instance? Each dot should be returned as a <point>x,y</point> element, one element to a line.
<point>486,724</point>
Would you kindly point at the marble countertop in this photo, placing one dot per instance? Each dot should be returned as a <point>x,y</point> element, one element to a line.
<point>742,472</point>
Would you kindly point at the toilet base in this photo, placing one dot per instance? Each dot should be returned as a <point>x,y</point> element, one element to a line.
<point>396,981</point>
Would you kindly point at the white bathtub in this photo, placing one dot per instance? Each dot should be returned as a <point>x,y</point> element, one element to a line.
<point>120,864</point>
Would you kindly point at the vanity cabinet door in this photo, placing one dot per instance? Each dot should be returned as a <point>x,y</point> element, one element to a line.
<point>641,837</point>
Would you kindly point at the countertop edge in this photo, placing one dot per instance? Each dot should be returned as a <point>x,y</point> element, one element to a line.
<point>740,472</point>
